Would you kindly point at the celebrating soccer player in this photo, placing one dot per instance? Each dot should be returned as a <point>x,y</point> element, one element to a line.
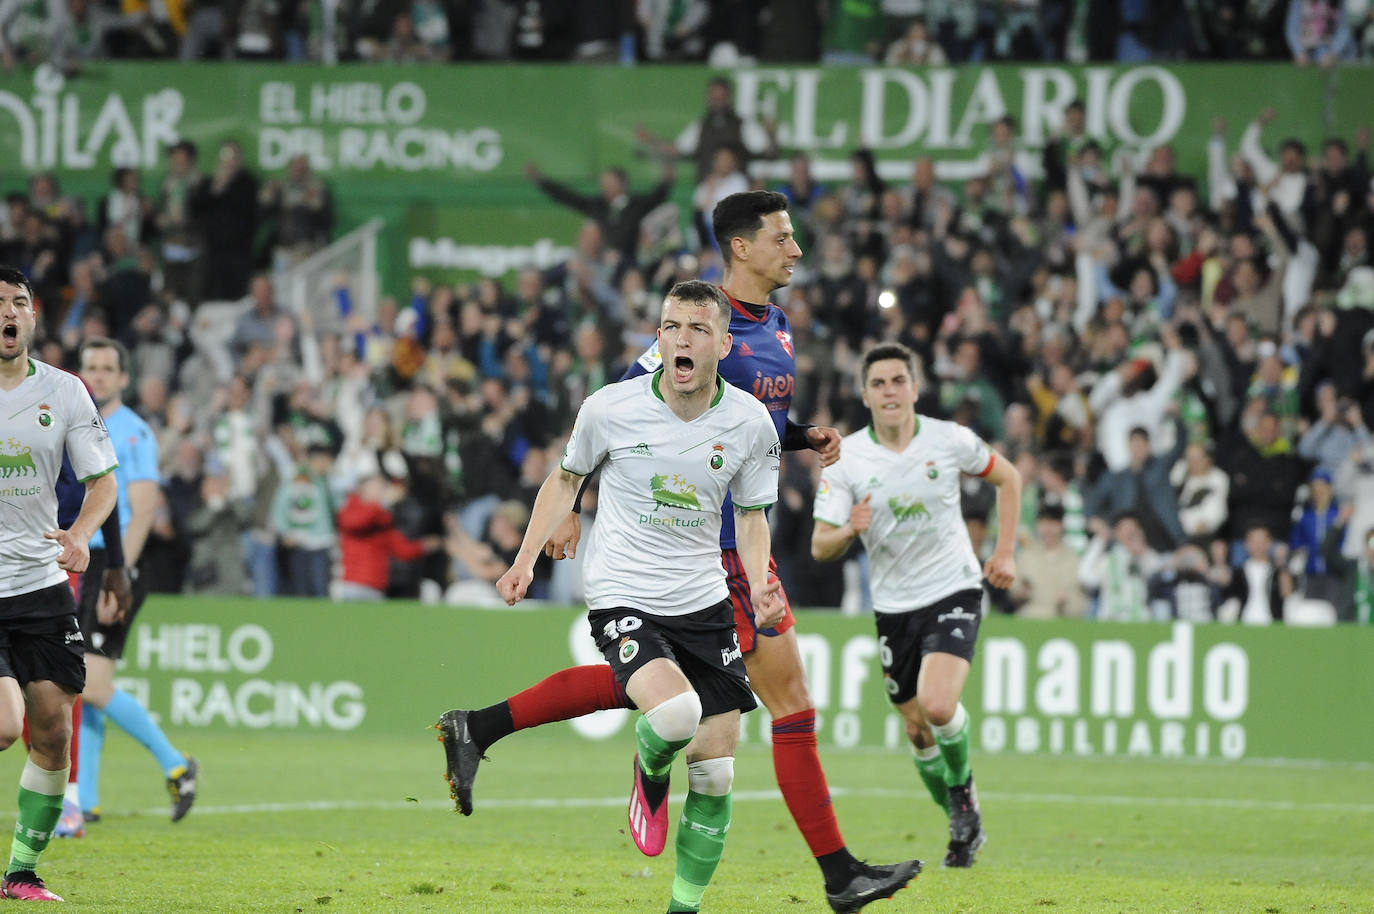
<point>670,445</point>
<point>41,656</point>
<point>756,238</point>
<point>896,487</point>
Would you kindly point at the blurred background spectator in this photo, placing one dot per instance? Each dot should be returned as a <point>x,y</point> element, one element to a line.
<point>1181,364</point>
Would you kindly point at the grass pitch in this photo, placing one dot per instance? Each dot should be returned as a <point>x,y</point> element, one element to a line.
<point>309,822</point>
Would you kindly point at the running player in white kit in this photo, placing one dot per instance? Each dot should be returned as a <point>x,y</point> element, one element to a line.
<point>896,486</point>
<point>42,665</point>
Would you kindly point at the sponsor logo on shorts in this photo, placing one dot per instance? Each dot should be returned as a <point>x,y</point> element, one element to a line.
<point>72,636</point>
<point>629,649</point>
<point>728,656</point>
<point>957,633</point>
<point>958,615</point>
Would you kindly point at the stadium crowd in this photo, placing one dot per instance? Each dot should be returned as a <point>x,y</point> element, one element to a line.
<point>1180,365</point>
<point>931,32</point>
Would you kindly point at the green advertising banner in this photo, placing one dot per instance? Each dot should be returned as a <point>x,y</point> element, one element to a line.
<point>438,151</point>
<point>1065,688</point>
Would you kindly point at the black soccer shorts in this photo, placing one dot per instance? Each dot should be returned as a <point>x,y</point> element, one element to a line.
<point>40,638</point>
<point>947,626</point>
<point>703,644</point>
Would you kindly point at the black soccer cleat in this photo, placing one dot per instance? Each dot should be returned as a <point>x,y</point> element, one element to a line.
<point>961,853</point>
<point>965,817</point>
<point>870,883</point>
<point>463,757</point>
<point>966,833</point>
<point>181,786</point>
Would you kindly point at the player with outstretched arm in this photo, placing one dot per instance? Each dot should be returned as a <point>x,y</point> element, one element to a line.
<point>756,238</point>
<point>669,446</point>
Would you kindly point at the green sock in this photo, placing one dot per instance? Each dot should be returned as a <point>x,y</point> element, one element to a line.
<point>930,765</point>
<point>656,754</point>
<point>700,842</point>
<point>40,806</point>
<point>952,738</point>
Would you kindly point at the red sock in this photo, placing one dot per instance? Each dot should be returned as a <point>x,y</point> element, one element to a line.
<point>567,694</point>
<point>802,782</point>
<point>76,738</point>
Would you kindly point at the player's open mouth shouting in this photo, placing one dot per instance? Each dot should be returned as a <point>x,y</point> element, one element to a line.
<point>683,369</point>
<point>9,336</point>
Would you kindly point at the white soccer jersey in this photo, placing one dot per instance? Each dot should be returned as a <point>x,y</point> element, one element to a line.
<point>918,547</point>
<point>49,410</point>
<point>656,542</point>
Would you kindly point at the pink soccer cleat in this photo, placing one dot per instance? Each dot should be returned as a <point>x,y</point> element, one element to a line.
<point>648,824</point>
<point>24,885</point>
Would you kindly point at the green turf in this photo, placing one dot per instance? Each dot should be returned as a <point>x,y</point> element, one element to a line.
<point>1067,835</point>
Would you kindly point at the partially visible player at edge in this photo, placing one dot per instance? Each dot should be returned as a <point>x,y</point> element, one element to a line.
<point>41,656</point>
<point>671,446</point>
<point>897,488</point>
<point>104,365</point>
<point>756,238</point>
<point>115,598</point>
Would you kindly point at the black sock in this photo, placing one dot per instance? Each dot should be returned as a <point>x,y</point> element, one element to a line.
<point>490,724</point>
<point>655,792</point>
<point>837,868</point>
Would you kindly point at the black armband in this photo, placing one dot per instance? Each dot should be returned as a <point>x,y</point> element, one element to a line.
<point>794,436</point>
<point>114,542</point>
<point>582,490</point>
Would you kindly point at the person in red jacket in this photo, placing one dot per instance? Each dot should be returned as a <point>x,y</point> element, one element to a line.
<point>369,540</point>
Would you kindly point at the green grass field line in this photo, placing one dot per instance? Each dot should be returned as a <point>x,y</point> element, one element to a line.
<point>312,822</point>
